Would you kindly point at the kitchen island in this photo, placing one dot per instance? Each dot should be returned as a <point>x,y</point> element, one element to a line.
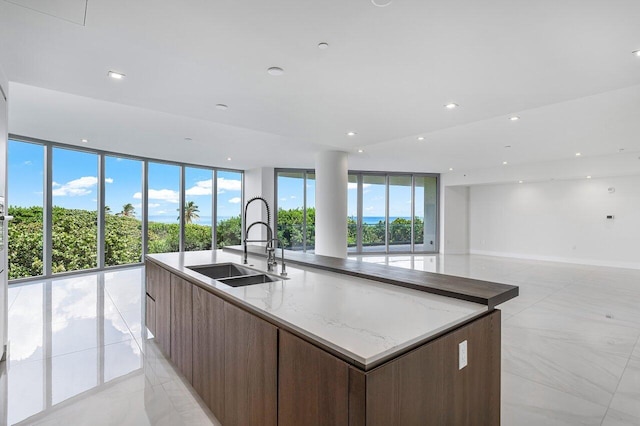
<point>324,347</point>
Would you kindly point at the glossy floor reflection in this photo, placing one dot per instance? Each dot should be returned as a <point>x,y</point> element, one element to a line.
<point>571,350</point>
<point>78,355</point>
<point>570,341</point>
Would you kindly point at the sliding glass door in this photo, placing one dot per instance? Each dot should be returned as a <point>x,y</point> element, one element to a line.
<point>392,213</point>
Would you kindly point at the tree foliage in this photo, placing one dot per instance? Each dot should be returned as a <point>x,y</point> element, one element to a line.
<point>75,239</point>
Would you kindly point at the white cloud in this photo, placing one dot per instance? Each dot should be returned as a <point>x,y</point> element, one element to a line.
<point>293,197</point>
<point>108,180</point>
<point>75,188</point>
<point>27,163</point>
<point>203,187</point>
<point>229,185</point>
<point>235,200</point>
<point>160,194</point>
<point>283,199</point>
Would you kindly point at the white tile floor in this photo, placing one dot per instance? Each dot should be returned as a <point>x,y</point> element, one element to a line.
<point>571,349</point>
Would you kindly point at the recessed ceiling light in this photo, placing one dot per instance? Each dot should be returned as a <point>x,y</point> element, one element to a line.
<point>84,140</point>
<point>275,71</point>
<point>228,158</point>
<point>578,154</point>
<point>636,52</point>
<point>451,106</point>
<point>381,3</point>
<point>188,139</point>
<point>361,151</point>
<point>507,146</point>
<point>221,107</point>
<point>589,177</point>
<point>621,150</point>
<point>351,133</point>
<point>450,169</point>
<point>504,163</point>
<point>514,118</point>
<point>323,45</point>
<point>420,138</point>
<point>520,181</point>
<point>116,75</point>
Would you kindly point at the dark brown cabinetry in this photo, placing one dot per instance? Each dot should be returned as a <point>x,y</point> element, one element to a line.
<point>208,350</point>
<point>313,385</point>
<point>426,386</point>
<point>182,326</point>
<point>158,288</point>
<point>251,374</point>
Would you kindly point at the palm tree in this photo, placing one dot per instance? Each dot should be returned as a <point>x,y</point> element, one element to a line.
<point>190,212</point>
<point>127,210</point>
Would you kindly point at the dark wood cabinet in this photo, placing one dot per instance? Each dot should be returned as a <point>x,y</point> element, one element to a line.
<point>251,372</point>
<point>182,326</point>
<point>251,369</point>
<point>158,288</point>
<point>208,350</point>
<point>313,386</point>
<point>150,314</point>
<point>426,386</point>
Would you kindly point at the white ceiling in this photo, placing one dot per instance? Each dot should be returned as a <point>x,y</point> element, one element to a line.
<point>565,67</point>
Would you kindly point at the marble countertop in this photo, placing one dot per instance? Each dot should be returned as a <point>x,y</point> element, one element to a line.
<point>365,321</point>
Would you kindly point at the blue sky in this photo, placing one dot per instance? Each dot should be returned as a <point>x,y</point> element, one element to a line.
<point>75,183</point>
<point>75,186</point>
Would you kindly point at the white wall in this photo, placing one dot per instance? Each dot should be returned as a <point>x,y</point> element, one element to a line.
<point>560,220</point>
<point>455,218</point>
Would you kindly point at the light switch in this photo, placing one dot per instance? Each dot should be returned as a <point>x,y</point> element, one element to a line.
<point>462,355</point>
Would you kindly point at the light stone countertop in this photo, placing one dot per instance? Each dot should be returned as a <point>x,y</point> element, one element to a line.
<point>365,321</point>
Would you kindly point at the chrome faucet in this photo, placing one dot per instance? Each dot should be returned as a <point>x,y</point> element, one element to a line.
<point>271,257</point>
<point>248,228</point>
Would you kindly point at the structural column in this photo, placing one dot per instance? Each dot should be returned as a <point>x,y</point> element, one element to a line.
<point>331,203</point>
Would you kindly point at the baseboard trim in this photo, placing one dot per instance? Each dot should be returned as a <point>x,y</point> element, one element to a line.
<point>577,261</point>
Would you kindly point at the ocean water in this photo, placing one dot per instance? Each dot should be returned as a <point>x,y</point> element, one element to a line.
<point>374,220</point>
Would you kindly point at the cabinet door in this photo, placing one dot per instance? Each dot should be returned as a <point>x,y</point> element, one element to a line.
<point>426,386</point>
<point>150,314</point>
<point>182,326</point>
<point>251,377</point>
<point>313,386</point>
<point>158,281</point>
<point>208,350</point>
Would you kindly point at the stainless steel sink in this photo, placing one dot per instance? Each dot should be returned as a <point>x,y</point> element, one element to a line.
<point>222,270</point>
<point>249,280</point>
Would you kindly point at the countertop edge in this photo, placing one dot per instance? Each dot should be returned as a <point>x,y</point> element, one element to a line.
<point>354,360</point>
<point>468,289</point>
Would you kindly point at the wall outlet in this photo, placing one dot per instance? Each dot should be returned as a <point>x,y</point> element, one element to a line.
<point>462,355</point>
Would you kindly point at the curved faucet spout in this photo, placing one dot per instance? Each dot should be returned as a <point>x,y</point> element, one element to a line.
<point>248,227</point>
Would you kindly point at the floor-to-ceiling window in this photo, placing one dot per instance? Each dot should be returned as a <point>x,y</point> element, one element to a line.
<point>77,209</point>
<point>74,191</point>
<point>400,217</point>
<point>123,211</point>
<point>228,208</point>
<point>26,204</point>
<point>198,209</point>
<point>163,211</point>
<point>392,213</point>
<point>295,214</point>
<point>374,217</point>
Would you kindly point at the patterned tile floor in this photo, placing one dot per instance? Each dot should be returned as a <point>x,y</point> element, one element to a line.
<point>570,347</point>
